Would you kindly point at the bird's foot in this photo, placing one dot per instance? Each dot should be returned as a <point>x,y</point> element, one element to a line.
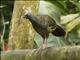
<point>41,48</point>
<point>44,46</point>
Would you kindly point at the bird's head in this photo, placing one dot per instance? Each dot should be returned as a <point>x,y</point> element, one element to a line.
<point>26,12</point>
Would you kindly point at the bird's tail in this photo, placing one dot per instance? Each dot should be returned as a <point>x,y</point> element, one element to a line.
<point>59,31</point>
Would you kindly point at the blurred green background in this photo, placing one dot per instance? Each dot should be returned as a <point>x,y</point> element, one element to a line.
<point>65,12</point>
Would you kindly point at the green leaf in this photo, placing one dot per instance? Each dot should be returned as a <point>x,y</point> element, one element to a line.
<point>72,24</point>
<point>49,9</point>
<point>2,6</point>
<point>70,21</point>
<point>78,32</point>
<point>66,19</point>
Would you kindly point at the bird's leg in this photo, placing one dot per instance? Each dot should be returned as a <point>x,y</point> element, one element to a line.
<point>44,45</point>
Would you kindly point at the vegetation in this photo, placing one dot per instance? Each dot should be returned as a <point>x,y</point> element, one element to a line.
<point>65,12</point>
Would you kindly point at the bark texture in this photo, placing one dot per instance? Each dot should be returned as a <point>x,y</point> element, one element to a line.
<point>21,31</point>
<point>51,53</point>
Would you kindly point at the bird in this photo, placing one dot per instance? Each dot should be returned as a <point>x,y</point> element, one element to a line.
<point>44,25</point>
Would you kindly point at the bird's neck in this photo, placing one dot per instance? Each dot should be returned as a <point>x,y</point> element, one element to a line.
<point>33,19</point>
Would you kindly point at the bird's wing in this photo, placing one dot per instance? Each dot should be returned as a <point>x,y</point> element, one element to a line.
<point>46,21</point>
<point>52,26</point>
<point>42,19</point>
<point>59,31</point>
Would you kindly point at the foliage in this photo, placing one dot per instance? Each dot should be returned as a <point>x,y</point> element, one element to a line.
<point>64,13</point>
<point>7,13</point>
<point>71,21</point>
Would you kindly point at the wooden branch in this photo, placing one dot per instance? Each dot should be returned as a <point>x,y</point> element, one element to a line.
<point>51,53</point>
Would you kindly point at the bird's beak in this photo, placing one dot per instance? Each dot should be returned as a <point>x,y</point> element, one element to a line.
<point>24,16</point>
<point>25,13</point>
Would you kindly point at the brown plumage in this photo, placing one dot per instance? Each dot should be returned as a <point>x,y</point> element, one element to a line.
<point>44,24</point>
